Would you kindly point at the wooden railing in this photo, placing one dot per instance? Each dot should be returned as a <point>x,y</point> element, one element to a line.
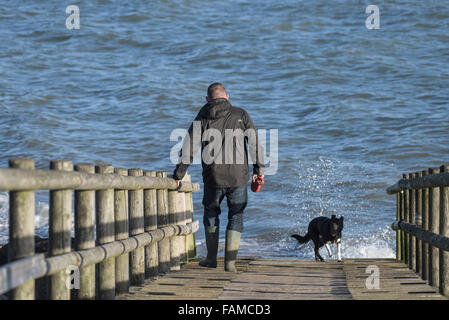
<point>128,225</point>
<point>422,224</point>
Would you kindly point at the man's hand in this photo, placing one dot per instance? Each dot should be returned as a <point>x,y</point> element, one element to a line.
<point>256,176</point>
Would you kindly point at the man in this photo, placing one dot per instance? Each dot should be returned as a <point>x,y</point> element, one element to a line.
<point>225,168</point>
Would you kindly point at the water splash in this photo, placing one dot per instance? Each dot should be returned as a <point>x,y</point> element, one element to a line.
<point>324,187</point>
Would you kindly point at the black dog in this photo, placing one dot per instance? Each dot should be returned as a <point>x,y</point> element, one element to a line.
<point>323,231</point>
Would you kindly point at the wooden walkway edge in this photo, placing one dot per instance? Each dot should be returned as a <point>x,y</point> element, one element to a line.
<point>287,279</point>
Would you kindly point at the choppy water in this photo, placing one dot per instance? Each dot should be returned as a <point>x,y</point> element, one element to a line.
<point>354,107</point>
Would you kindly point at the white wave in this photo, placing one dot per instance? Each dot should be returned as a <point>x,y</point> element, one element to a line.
<point>374,250</point>
<point>376,244</point>
<point>368,247</point>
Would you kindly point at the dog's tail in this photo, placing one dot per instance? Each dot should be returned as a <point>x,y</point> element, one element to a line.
<point>301,239</point>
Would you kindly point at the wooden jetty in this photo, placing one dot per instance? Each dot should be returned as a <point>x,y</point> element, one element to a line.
<point>287,279</point>
<point>134,239</point>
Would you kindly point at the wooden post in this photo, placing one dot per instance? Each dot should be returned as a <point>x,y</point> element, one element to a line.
<point>21,229</point>
<point>190,239</point>
<point>412,213</point>
<point>193,235</point>
<point>188,218</point>
<point>398,232</point>
<point>150,214</point>
<point>425,226</point>
<point>434,226</point>
<point>173,220</point>
<point>105,234</point>
<point>181,206</point>
<point>60,222</point>
<point>121,232</point>
<point>418,222</point>
<point>136,224</point>
<point>444,231</point>
<point>162,221</point>
<point>402,234</point>
<point>85,233</point>
<point>406,219</point>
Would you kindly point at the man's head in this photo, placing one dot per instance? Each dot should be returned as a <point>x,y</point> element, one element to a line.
<point>216,90</point>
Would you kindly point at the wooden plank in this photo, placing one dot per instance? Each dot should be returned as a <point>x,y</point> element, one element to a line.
<point>396,282</point>
<point>289,279</point>
<point>286,279</point>
<point>192,282</point>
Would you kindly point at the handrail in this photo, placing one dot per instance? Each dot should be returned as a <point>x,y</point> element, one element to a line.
<point>29,179</point>
<point>132,223</point>
<point>38,266</point>
<point>422,224</point>
<point>428,181</point>
<point>431,238</point>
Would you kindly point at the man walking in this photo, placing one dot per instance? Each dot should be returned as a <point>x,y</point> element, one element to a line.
<point>225,168</point>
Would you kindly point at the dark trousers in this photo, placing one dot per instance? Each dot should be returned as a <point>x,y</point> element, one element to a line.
<point>236,197</point>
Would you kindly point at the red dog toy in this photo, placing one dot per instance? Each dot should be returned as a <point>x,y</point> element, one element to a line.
<point>255,186</point>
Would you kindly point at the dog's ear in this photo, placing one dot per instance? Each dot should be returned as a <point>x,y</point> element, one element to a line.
<point>340,221</point>
<point>333,217</point>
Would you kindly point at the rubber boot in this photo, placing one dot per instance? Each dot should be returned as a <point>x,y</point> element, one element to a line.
<point>212,247</point>
<point>232,246</point>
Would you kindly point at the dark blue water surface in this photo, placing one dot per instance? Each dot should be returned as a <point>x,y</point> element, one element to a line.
<point>354,108</point>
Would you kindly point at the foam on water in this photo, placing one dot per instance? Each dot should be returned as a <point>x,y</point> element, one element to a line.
<point>368,247</point>
<point>4,208</point>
